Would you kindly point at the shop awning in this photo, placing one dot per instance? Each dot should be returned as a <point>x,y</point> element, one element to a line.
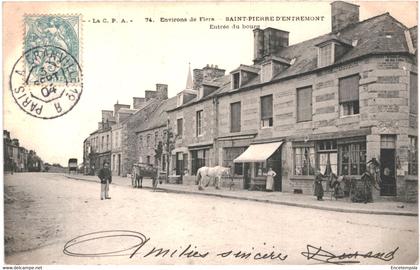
<point>258,152</point>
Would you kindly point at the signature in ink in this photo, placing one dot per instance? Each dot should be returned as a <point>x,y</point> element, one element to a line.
<point>88,245</point>
<point>322,255</point>
<point>129,243</point>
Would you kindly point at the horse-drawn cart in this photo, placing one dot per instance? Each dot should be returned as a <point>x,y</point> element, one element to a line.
<point>141,170</point>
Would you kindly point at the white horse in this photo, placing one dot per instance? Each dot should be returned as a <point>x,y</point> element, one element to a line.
<point>211,172</point>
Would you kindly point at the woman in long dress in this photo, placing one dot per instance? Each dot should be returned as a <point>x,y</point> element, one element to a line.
<point>318,189</point>
<point>270,179</point>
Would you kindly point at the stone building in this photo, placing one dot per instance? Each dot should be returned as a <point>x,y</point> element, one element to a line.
<point>131,126</point>
<point>15,157</point>
<point>121,113</point>
<point>97,147</point>
<point>152,135</point>
<point>330,103</point>
<point>193,121</point>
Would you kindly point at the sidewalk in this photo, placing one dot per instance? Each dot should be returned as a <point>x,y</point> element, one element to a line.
<point>379,207</point>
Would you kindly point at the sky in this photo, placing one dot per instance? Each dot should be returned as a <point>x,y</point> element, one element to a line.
<point>121,61</point>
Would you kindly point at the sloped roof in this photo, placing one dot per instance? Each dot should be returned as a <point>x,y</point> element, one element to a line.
<point>413,33</point>
<point>221,82</point>
<point>125,110</point>
<point>377,35</point>
<point>156,117</point>
<point>371,36</point>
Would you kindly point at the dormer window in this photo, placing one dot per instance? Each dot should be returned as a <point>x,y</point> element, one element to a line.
<point>330,50</point>
<point>236,79</point>
<point>326,55</point>
<point>266,72</point>
<point>200,93</point>
<point>272,67</point>
<point>179,99</point>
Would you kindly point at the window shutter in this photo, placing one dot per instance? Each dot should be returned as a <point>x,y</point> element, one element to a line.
<point>349,88</point>
<point>304,104</point>
<point>179,126</point>
<point>267,107</point>
<point>413,93</point>
<point>235,117</point>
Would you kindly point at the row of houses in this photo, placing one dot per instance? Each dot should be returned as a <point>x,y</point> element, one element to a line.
<point>17,158</point>
<point>328,104</point>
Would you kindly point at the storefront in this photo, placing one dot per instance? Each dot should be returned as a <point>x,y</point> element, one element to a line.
<point>257,160</point>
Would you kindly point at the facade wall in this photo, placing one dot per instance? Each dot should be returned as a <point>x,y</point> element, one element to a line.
<point>116,152</point>
<point>384,110</point>
<point>189,139</point>
<point>146,147</point>
<point>129,147</point>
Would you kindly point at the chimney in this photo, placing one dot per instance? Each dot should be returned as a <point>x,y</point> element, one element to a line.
<point>207,73</point>
<point>162,91</point>
<point>117,107</point>
<point>107,116</point>
<point>149,94</point>
<point>274,39</point>
<point>268,41</point>
<point>258,44</point>
<point>197,78</point>
<point>138,102</point>
<point>343,14</point>
<point>15,142</point>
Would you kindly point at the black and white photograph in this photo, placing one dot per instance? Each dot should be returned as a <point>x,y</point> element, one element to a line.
<point>210,133</point>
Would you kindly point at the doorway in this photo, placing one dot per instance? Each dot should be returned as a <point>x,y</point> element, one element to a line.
<point>388,177</point>
<point>119,164</point>
<point>179,163</point>
<point>275,163</point>
<point>247,175</point>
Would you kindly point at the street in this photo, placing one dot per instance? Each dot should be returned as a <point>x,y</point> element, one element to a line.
<point>44,211</point>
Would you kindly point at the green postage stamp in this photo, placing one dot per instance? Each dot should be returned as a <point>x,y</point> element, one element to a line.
<point>46,81</point>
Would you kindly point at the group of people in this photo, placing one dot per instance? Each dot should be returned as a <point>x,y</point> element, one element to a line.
<point>105,176</point>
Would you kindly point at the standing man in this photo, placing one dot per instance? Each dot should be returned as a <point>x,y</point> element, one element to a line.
<point>106,179</point>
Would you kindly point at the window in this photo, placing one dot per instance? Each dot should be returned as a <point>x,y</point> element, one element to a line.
<point>304,160</point>
<point>107,142</point>
<point>102,144</point>
<point>412,156</point>
<point>266,111</point>
<point>352,158</point>
<point>148,159</point>
<point>235,80</point>
<point>327,157</point>
<point>325,55</point>
<point>179,127</point>
<point>348,91</point>
<point>413,93</point>
<point>113,162</point>
<point>163,162</point>
<point>140,141</point>
<point>156,138</point>
<point>199,119</point>
<point>260,169</point>
<point>235,117</point>
<point>148,140</point>
<point>199,158</point>
<point>304,104</point>
<point>230,154</point>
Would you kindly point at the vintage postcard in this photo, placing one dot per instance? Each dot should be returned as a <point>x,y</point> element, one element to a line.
<point>210,133</point>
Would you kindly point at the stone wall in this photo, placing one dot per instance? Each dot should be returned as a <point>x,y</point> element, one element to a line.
<point>189,137</point>
<point>383,99</point>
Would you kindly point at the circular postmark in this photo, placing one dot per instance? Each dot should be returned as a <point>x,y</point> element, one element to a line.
<point>46,82</point>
